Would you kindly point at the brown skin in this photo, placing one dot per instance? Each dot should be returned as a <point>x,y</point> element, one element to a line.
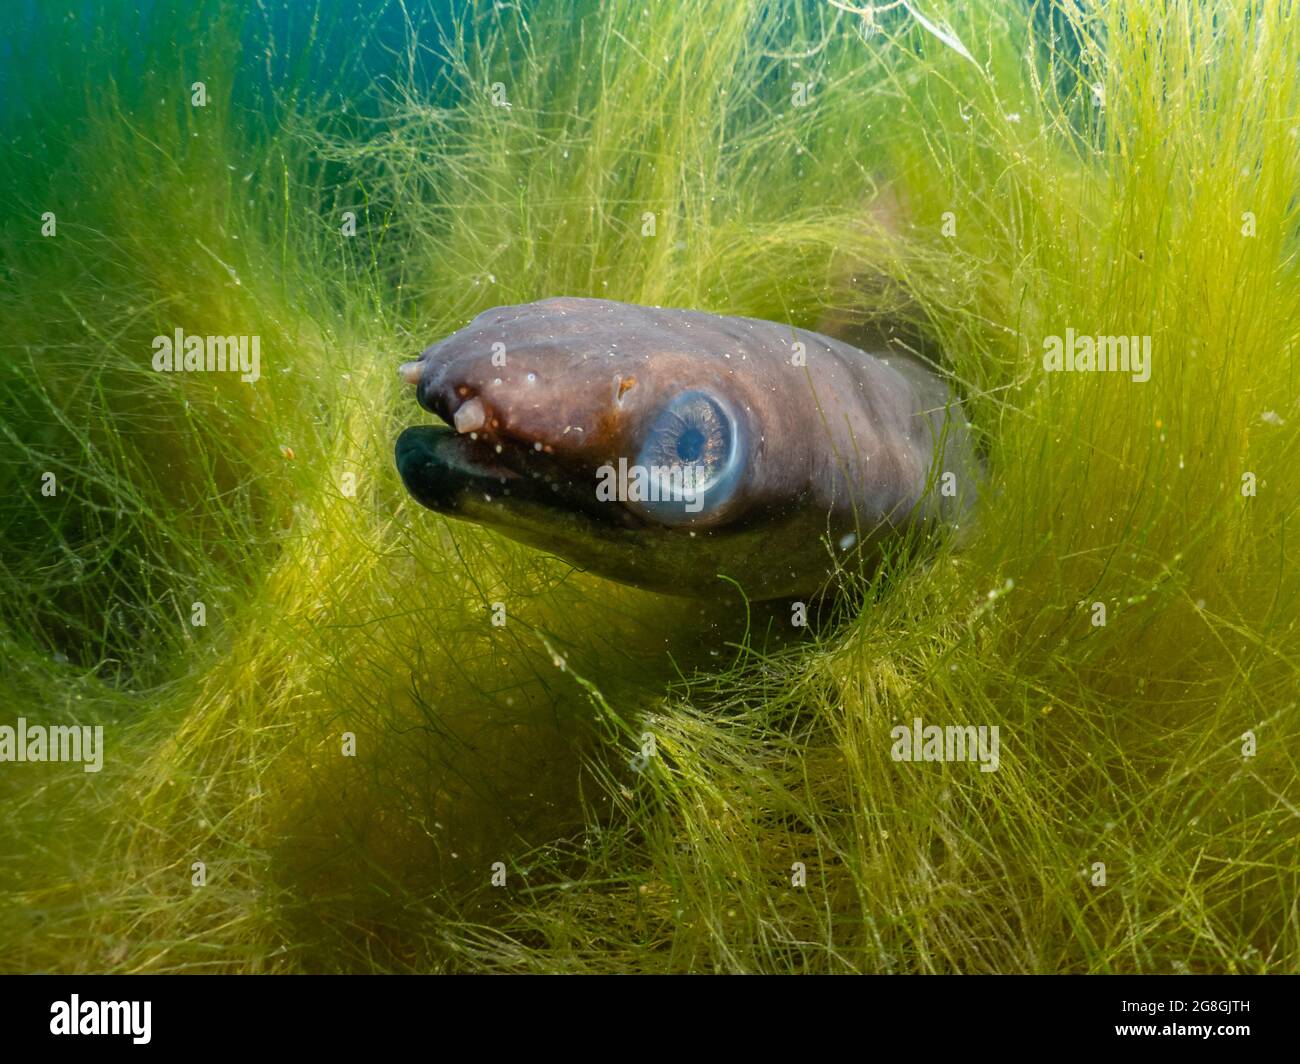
<point>829,458</point>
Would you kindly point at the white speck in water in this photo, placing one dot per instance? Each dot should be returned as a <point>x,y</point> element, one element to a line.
<point>847,541</point>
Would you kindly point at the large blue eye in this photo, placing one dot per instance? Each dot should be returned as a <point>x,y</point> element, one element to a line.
<point>691,458</point>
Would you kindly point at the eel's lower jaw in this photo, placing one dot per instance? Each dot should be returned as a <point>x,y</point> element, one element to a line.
<point>500,483</point>
<point>439,466</point>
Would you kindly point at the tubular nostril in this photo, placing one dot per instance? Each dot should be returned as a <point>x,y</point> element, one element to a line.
<point>470,416</point>
<point>410,372</point>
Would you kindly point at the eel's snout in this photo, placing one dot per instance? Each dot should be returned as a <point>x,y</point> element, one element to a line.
<point>456,403</point>
<point>563,375</point>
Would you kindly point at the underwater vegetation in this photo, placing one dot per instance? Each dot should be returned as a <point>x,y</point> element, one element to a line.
<point>343,733</point>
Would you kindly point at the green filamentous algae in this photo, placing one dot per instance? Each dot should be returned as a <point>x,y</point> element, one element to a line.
<point>261,711</point>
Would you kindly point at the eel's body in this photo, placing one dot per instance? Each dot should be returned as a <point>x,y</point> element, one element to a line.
<point>666,448</point>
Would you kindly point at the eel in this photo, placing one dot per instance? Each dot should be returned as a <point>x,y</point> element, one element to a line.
<point>669,449</point>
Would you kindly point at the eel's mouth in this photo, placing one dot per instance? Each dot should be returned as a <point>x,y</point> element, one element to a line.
<point>499,481</point>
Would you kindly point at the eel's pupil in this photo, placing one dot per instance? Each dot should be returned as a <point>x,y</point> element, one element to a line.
<point>690,445</point>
